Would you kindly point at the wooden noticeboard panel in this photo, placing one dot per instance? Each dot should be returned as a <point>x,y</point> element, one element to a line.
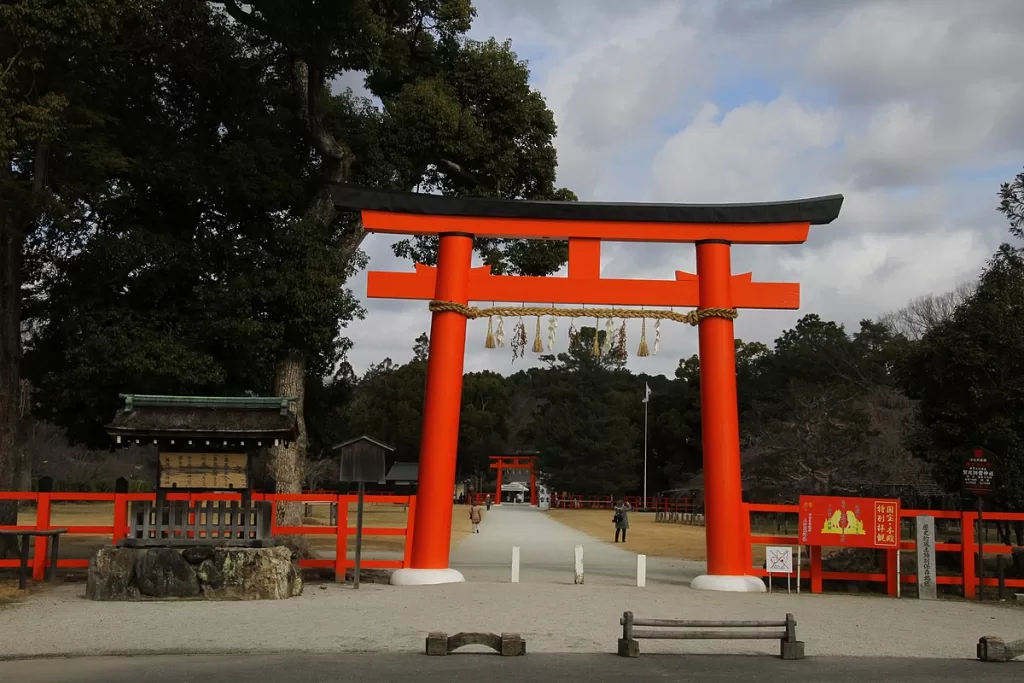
<point>204,471</point>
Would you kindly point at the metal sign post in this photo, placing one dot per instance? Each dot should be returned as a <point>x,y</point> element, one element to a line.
<point>779,561</point>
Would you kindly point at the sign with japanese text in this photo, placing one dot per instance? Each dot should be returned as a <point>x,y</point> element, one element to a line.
<point>925,538</point>
<point>204,471</point>
<point>979,473</point>
<point>850,522</point>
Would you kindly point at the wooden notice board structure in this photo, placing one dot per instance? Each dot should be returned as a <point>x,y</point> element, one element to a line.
<point>203,444</point>
<point>714,291</point>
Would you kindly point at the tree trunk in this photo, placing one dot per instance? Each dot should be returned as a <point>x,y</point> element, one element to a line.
<point>287,464</point>
<point>11,242</point>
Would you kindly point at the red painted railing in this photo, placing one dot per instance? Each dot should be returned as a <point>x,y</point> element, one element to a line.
<point>968,548</point>
<point>119,528</point>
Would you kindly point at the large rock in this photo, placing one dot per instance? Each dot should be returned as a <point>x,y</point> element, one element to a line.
<point>197,554</point>
<point>112,575</point>
<point>250,574</point>
<point>164,573</point>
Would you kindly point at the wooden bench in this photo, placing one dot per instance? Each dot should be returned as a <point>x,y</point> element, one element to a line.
<point>790,647</point>
<point>53,535</point>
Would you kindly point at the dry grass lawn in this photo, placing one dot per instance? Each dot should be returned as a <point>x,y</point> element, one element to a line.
<point>645,536</point>
<point>380,515</point>
<point>9,590</point>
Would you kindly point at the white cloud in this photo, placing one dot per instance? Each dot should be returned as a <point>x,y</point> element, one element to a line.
<point>913,109</point>
<point>749,154</point>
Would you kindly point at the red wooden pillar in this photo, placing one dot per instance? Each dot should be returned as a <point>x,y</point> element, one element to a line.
<point>720,428</point>
<point>815,565</point>
<point>967,551</point>
<point>533,487</point>
<point>501,471</point>
<point>42,542</point>
<point>439,438</point>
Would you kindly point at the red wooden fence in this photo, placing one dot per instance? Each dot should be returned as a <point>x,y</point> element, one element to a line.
<point>967,548</point>
<point>119,528</point>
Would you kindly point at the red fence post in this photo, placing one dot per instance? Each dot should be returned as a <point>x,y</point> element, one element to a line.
<point>748,546</point>
<point>892,558</point>
<point>967,550</point>
<point>42,543</point>
<point>815,566</point>
<point>410,531</point>
<point>120,510</point>
<point>341,539</point>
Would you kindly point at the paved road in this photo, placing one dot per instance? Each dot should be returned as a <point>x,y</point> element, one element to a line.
<point>471,668</point>
<point>546,552</point>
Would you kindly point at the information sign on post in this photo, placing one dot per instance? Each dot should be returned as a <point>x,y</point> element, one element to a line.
<point>979,476</point>
<point>362,460</point>
<point>779,560</point>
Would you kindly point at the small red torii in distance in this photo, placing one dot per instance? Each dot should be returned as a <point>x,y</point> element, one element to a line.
<point>712,228</point>
<point>520,461</point>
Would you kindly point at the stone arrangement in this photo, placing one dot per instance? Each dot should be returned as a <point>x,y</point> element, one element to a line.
<point>199,572</point>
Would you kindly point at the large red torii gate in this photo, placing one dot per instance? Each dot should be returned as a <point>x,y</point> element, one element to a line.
<point>713,228</point>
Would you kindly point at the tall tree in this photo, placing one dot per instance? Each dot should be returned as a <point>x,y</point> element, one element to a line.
<point>53,54</point>
<point>967,374</point>
<point>455,113</point>
<point>586,424</point>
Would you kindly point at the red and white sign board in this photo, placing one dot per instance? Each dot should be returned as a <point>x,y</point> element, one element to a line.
<point>850,522</point>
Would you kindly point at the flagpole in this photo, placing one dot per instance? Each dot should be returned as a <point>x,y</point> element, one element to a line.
<point>647,400</point>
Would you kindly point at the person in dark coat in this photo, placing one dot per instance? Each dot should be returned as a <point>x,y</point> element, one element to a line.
<point>621,520</point>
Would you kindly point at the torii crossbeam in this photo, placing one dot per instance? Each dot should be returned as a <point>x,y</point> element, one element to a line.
<point>713,228</point>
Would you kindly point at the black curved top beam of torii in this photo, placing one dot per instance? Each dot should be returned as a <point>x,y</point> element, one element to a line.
<point>813,211</point>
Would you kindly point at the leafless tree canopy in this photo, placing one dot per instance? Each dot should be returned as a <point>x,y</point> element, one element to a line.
<point>831,442</point>
<point>922,314</point>
<point>75,468</point>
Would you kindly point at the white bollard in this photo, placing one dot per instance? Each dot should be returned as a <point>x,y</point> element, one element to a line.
<point>578,553</point>
<point>641,571</point>
<point>515,564</point>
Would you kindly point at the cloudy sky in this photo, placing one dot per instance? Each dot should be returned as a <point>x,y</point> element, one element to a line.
<point>914,110</point>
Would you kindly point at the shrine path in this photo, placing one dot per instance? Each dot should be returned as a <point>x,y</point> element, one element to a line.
<point>546,552</point>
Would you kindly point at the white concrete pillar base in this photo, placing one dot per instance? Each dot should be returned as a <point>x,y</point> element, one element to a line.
<point>425,577</point>
<point>728,584</point>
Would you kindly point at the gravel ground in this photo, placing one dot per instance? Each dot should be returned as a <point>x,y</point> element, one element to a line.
<point>534,668</point>
<point>551,613</point>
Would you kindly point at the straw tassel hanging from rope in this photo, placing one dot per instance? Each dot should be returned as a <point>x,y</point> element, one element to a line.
<point>643,351</point>
<point>538,345</point>
<point>489,342</point>
<point>552,331</point>
<point>596,351</point>
<point>657,336</point>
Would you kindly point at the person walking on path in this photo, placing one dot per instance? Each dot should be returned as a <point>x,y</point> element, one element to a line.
<point>621,520</point>
<point>475,516</point>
